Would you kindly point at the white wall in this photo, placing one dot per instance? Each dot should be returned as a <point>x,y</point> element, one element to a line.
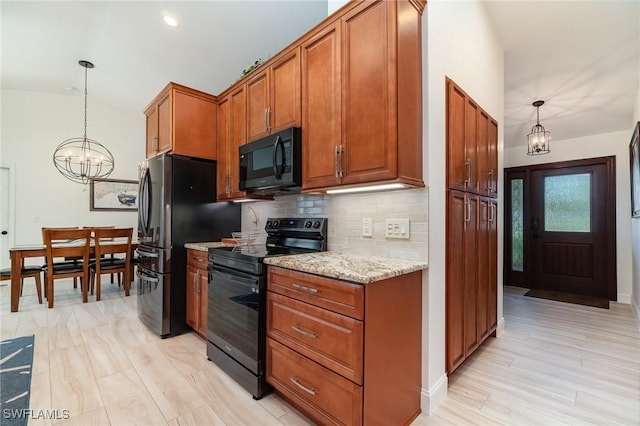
<point>635,235</point>
<point>608,144</point>
<point>462,45</point>
<point>33,124</point>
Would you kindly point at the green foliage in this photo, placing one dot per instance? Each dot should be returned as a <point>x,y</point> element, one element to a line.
<point>253,66</point>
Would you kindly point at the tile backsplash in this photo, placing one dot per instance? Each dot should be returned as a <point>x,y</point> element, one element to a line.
<point>345,213</point>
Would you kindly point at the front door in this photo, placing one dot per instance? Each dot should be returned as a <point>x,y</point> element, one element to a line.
<point>562,231</point>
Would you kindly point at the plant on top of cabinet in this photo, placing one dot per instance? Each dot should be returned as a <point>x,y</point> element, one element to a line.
<point>183,121</point>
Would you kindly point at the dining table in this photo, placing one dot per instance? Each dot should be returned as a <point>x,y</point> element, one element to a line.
<point>19,253</point>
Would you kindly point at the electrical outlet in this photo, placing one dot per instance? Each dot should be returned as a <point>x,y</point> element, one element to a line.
<point>397,228</point>
<point>367,227</point>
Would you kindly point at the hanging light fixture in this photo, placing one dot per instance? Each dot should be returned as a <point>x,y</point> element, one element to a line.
<point>82,159</point>
<point>538,140</point>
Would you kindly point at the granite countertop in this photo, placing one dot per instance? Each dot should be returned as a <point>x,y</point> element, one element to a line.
<point>348,267</point>
<point>206,245</point>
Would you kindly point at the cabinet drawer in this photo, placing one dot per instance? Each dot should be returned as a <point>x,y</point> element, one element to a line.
<point>197,258</point>
<point>322,394</point>
<point>337,296</point>
<point>330,339</point>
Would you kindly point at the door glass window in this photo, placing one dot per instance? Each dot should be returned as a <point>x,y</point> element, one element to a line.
<point>517,225</point>
<point>567,203</point>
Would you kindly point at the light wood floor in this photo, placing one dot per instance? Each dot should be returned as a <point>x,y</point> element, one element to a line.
<point>555,364</point>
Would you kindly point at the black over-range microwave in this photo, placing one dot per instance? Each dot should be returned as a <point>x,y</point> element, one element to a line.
<point>272,165</point>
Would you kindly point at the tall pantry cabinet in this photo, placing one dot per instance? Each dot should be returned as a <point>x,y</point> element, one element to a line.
<point>471,245</point>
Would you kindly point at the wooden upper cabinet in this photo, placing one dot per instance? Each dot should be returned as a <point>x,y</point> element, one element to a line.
<point>369,151</point>
<point>223,171</point>
<point>492,157</point>
<point>362,98</point>
<point>273,97</point>
<point>322,108</point>
<point>472,144</point>
<point>183,121</point>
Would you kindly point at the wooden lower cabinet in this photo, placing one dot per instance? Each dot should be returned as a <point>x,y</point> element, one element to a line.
<point>345,353</point>
<point>471,280</point>
<point>197,291</point>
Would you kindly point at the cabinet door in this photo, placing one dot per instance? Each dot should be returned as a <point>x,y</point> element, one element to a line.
<point>369,114</point>
<point>194,126</point>
<point>471,115</point>
<point>457,170</point>
<point>470,272</point>
<point>484,265</point>
<point>238,138</point>
<point>456,212</point>
<point>492,303</point>
<point>483,175</point>
<point>152,132</point>
<point>224,149</point>
<point>257,104</point>
<point>321,108</point>
<point>165,125</point>
<point>193,302</point>
<point>203,288</point>
<point>492,158</point>
<point>284,93</point>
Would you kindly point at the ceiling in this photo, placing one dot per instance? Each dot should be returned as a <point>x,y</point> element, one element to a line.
<point>581,57</point>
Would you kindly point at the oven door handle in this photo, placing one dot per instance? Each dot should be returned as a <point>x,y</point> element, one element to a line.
<point>236,279</point>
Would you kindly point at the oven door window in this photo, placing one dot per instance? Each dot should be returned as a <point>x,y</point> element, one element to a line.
<point>233,314</point>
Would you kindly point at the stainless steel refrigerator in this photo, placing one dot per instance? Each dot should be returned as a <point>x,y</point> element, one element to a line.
<point>177,205</point>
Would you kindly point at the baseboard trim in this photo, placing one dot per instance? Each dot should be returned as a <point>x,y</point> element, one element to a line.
<point>624,298</point>
<point>636,311</point>
<point>431,398</point>
<point>500,327</point>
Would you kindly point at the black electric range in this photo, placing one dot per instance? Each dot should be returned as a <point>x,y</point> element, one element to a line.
<point>236,319</point>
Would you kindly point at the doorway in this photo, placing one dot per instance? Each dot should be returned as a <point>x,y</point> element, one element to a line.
<point>560,227</point>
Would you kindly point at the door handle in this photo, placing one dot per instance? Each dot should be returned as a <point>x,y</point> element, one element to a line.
<point>4,232</point>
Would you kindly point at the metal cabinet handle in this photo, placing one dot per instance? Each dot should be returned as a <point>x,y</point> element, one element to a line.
<point>341,163</point>
<point>492,212</point>
<point>336,154</point>
<point>467,210</point>
<point>301,386</point>
<point>490,179</point>
<point>303,332</point>
<point>305,288</point>
<point>467,165</point>
<point>267,119</point>
<point>147,254</point>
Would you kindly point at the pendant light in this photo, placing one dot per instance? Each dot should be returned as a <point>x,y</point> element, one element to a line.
<point>83,159</point>
<point>538,141</point>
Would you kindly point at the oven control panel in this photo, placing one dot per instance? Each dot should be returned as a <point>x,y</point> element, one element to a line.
<point>277,225</point>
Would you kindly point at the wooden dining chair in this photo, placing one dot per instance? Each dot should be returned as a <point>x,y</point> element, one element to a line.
<point>68,260</point>
<point>61,243</point>
<point>93,228</point>
<point>27,272</point>
<point>111,241</point>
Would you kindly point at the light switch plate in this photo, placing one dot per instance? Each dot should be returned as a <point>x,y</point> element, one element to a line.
<point>397,228</point>
<point>367,227</point>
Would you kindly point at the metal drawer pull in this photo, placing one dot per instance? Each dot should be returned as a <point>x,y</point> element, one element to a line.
<point>303,332</point>
<point>304,288</point>
<point>147,254</point>
<point>301,386</point>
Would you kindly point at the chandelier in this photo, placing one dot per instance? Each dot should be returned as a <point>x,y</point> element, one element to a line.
<point>538,140</point>
<point>83,159</point>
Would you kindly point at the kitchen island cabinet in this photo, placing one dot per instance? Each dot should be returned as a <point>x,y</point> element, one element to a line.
<point>345,351</point>
<point>183,121</point>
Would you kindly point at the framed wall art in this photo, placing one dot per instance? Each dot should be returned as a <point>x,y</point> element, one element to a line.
<point>634,155</point>
<point>113,195</point>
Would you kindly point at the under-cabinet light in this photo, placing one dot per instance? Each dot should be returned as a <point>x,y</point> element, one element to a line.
<point>370,188</point>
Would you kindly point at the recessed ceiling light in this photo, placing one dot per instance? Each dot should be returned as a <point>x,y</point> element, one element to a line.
<point>170,20</point>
